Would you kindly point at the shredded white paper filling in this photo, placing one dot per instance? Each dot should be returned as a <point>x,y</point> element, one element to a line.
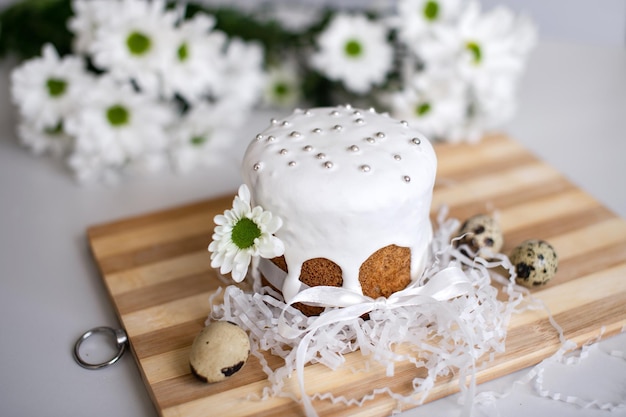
<point>442,333</point>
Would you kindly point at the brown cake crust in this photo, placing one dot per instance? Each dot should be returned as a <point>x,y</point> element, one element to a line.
<point>386,271</point>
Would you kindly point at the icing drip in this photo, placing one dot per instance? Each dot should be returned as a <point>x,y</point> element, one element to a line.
<point>343,193</point>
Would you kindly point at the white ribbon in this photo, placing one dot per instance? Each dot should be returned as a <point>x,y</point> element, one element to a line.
<point>445,285</point>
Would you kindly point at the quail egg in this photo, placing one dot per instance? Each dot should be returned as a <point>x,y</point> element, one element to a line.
<point>535,261</point>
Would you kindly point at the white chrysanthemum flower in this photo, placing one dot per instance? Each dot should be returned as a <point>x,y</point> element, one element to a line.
<point>355,51</point>
<point>242,233</point>
<point>118,125</point>
<point>296,18</point>
<point>481,45</point>
<point>242,74</point>
<point>48,88</point>
<point>415,18</point>
<point>194,67</point>
<point>48,140</point>
<point>201,136</point>
<point>434,102</point>
<point>282,86</point>
<point>137,44</point>
<point>88,16</point>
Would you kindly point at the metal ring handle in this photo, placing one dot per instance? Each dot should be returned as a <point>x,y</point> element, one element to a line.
<point>121,340</point>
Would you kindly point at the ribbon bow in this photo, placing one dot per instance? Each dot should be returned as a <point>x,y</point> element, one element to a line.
<point>445,285</point>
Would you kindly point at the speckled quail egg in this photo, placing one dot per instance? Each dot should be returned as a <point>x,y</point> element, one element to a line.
<point>535,262</point>
<point>482,234</point>
<point>218,351</point>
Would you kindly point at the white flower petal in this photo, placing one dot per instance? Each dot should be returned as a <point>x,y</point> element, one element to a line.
<point>240,266</point>
<point>273,224</point>
<point>244,193</point>
<point>270,246</point>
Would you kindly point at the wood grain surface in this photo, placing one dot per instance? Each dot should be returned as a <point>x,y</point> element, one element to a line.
<point>157,270</point>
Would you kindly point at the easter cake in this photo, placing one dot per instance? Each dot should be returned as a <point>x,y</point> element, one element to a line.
<point>353,189</point>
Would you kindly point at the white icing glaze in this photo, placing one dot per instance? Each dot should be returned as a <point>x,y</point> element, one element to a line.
<point>346,182</point>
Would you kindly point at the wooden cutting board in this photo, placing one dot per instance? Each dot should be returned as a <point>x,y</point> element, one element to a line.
<point>156,269</point>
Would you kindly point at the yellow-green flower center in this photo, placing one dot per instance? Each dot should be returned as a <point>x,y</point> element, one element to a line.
<point>422,109</point>
<point>138,43</point>
<point>475,50</point>
<point>118,115</point>
<point>56,86</point>
<point>281,89</point>
<point>182,52</point>
<point>244,233</point>
<point>353,48</point>
<point>431,10</point>
<point>198,140</point>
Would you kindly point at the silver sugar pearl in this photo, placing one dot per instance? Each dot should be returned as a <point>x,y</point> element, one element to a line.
<point>317,130</point>
<point>348,106</point>
<point>397,157</point>
<point>404,123</point>
<point>359,121</point>
<point>328,164</point>
<point>259,137</point>
<point>292,163</point>
<point>320,156</point>
<point>283,151</point>
<point>273,121</point>
<point>334,113</point>
<point>307,112</point>
<point>356,113</point>
<point>406,178</point>
<point>416,141</point>
<point>308,148</point>
<point>295,134</point>
<point>365,168</point>
<point>380,135</point>
<point>337,127</point>
<point>256,166</point>
<point>285,123</point>
<point>370,140</point>
<point>354,148</point>
<point>270,138</point>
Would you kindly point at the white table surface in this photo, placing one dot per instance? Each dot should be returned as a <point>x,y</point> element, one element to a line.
<point>572,113</point>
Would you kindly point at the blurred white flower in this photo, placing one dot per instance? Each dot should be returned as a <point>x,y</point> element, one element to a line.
<point>433,101</point>
<point>242,73</point>
<point>194,70</point>
<point>458,74</point>
<point>46,89</point>
<point>415,18</point>
<point>92,167</point>
<point>201,136</point>
<point>282,86</point>
<point>147,164</point>
<point>295,18</point>
<point>355,51</point>
<point>117,126</point>
<point>136,44</point>
<point>88,16</point>
<point>47,140</point>
<point>481,45</point>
